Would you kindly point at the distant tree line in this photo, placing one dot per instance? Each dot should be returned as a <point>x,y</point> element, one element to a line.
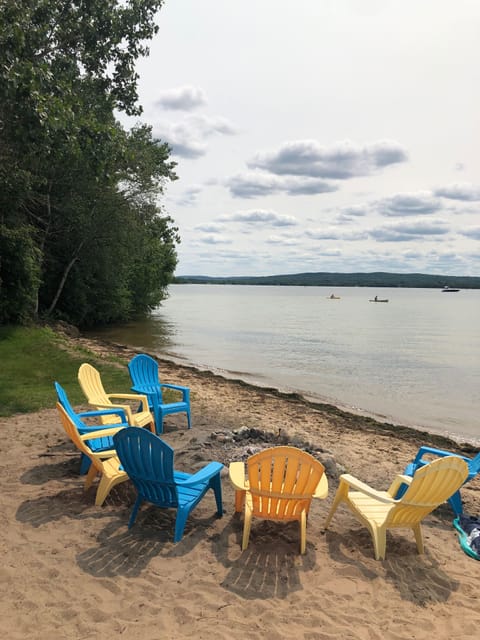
<point>326,279</point>
<point>82,236</point>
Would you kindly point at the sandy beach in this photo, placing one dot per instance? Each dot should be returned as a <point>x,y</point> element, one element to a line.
<point>71,570</point>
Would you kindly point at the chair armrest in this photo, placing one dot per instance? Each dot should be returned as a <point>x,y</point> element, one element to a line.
<point>397,483</point>
<point>104,412</point>
<point>236,472</point>
<point>358,485</point>
<point>441,453</point>
<point>124,407</point>
<point>129,396</point>
<point>321,491</point>
<point>208,472</point>
<point>176,387</point>
<point>100,434</point>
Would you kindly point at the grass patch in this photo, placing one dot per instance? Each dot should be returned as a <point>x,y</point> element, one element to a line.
<point>32,358</point>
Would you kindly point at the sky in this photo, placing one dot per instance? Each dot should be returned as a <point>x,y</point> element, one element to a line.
<point>319,135</point>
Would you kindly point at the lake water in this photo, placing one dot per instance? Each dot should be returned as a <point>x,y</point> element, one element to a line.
<point>414,360</point>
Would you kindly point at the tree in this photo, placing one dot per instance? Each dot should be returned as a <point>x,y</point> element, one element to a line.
<point>81,187</point>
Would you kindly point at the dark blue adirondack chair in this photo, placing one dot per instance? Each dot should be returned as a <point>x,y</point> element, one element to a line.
<point>148,461</point>
<point>419,461</point>
<point>99,444</point>
<point>145,379</point>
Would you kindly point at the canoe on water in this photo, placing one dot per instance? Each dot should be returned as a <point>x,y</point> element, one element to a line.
<point>379,300</point>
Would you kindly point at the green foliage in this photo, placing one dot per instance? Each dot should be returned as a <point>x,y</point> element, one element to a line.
<point>33,358</point>
<point>325,279</point>
<point>19,274</point>
<point>81,188</point>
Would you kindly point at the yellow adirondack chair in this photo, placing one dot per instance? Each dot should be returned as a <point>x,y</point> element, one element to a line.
<point>379,510</point>
<point>105,463</point>
<point>280,485</point>
<point>92,387</point>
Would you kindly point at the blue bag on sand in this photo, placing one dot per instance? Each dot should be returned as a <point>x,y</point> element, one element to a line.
<point>468,528</point>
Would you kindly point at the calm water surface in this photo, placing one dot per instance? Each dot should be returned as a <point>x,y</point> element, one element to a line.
<point>414,360</point>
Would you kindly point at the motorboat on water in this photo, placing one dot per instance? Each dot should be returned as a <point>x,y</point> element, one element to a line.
<point>447,289</point>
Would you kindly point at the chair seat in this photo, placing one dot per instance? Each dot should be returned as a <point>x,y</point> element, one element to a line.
<point>369,507</point>
<point>112,468</point>
<point>142,418</point>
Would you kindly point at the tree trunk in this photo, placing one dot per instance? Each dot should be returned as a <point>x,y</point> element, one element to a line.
<point>64,278</point>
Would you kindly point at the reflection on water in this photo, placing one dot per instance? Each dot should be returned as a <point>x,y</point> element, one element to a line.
<point>414,360</point>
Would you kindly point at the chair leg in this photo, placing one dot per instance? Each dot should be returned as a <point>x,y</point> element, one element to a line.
<point>180,522</point>
<point>135,509</point>
<point>338,498</point>
<point>379,536</point>
<point>103,490</point>
<point>303,532</point>
<point>189,419</point>
<point>455,502</point>
<point>246,529</point>
<point>239,500</point>
<point>85,463</point>
<point>417,530</point>
<point>159,422</point>
<point>91,475</point>
<point>216,485</point>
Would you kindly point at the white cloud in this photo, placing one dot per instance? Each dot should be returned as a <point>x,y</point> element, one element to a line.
<point>459,191</point>
<point>472,232</point>
<point>260,216</point>
<point>182,98</point>
<point>340,161</point>
<point>188,138</point>
<point>411,230</point>
<point>409,204</point>
<point>253,184</point>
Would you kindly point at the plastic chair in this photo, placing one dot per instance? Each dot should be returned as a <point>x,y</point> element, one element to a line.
<point>98,444</point>
<point>280,485</point>
<point>380,510</point>
<point>92,387</point>
<point>105,463</point>
<point>148,460</point>
<point>455,501</point>
<point>145,379</point>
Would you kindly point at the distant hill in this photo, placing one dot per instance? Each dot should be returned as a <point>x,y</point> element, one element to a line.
<point>326,279</point>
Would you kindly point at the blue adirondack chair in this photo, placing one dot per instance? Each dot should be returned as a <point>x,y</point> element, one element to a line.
<point>148,461</point>
<point>455,501</point>
<point>145,379</point>
<point>99,444</point>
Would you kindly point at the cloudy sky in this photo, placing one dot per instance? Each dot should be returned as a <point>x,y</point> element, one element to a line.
<point>320,135</point>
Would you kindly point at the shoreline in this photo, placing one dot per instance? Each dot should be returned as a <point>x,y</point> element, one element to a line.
<point>352,419</point>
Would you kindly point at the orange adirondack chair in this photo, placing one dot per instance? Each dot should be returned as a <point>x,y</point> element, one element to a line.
<point>92,387</point>
<point>105,463</point>
<point>280,485</point>
<point>379,510</point>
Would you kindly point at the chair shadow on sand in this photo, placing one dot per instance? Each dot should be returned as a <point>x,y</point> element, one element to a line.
<point>418,579</point>
<point>127,552</point>
<point>270,567</point>
<point>66,467</point>
<point>118,551</point>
